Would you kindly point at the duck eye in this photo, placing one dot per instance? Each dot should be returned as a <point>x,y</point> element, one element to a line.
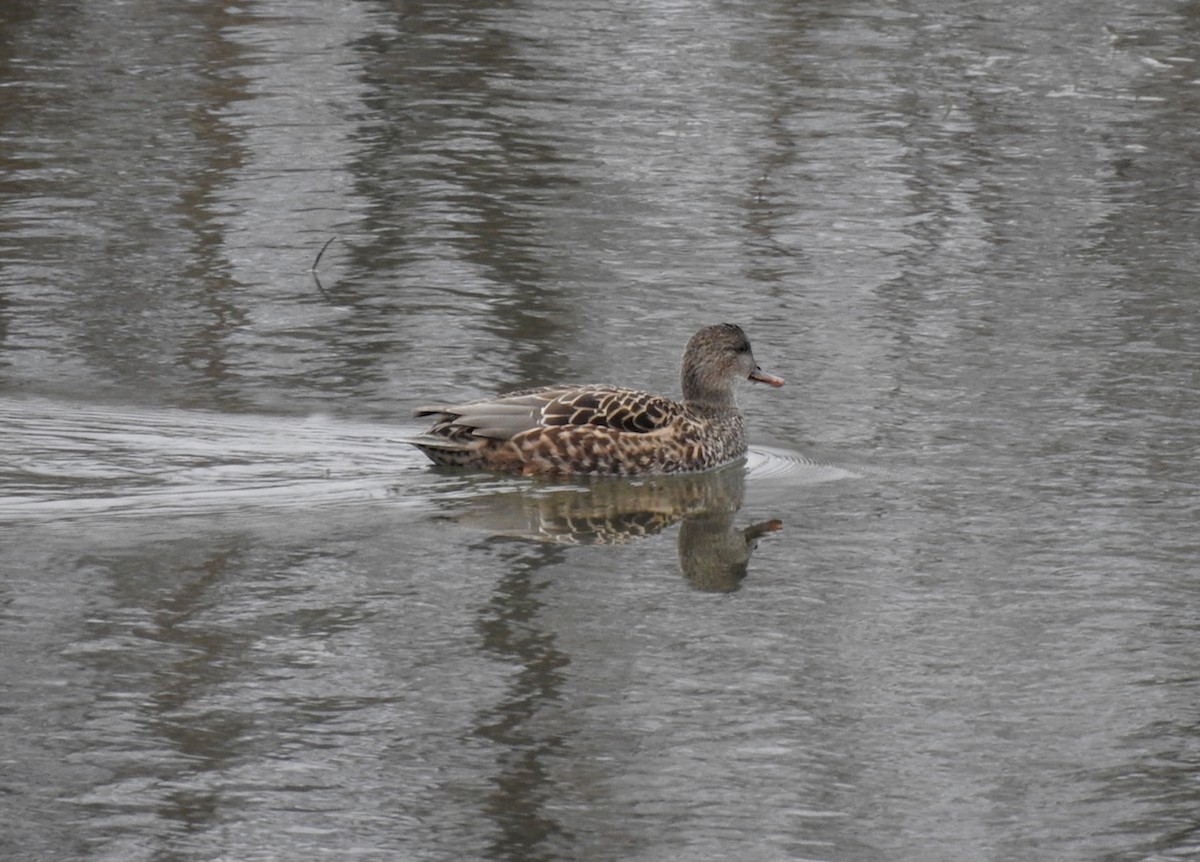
<point>744,347</point>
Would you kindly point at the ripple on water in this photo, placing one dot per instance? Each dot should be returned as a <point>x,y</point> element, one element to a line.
<point>768,463</point>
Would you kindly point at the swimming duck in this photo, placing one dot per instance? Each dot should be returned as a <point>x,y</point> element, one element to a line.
<point>607,430</point>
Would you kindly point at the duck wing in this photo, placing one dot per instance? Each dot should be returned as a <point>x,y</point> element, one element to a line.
<point>507,416</point>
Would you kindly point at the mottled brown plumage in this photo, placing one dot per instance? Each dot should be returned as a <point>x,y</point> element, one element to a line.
<point>607,430</point>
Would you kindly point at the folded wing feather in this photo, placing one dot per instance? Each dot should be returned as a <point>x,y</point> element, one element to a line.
<point>507,416</point>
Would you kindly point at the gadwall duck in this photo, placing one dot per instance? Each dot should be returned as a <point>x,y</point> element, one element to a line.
<point>607,430</point>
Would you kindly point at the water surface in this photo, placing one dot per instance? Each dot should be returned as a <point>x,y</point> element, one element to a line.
<point>947,609</point>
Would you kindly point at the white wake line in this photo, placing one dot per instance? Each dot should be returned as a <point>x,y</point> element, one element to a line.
<point>66,461</point>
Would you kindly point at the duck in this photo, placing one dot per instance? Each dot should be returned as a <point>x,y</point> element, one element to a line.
<point>606,430</point>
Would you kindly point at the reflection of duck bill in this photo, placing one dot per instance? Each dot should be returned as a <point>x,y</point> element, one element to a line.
<point>714,555</point>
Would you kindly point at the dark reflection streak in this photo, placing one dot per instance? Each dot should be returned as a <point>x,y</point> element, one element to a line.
<point>455,139</point>
<point>204,743</point>
<point>1158,336</point>
<point>204,349</point>
<point>5,317</point>
<point>1167,775</point>
<point>769,203</point>
<point>522,785</point>
<point>14,102</point>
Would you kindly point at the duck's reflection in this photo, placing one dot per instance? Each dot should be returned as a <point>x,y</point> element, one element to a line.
<point>713,552</point>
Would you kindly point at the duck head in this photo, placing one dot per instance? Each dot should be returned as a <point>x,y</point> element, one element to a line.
<point>715,359</point>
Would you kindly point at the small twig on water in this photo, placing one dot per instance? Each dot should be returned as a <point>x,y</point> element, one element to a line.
<point>328,243</point>
<point>313,270</point>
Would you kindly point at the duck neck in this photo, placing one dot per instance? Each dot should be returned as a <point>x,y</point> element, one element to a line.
<point>701,393</point>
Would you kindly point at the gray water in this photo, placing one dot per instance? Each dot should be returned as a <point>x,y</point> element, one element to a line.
<point>948,610</point>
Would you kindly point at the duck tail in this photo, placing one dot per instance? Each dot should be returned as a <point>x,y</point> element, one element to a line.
<point>428,442</point>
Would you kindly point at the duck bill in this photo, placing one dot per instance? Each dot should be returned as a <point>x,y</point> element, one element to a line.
<point>760,376</point>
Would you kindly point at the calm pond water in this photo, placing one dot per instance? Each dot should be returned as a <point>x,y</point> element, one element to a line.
<point>948,610</point>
